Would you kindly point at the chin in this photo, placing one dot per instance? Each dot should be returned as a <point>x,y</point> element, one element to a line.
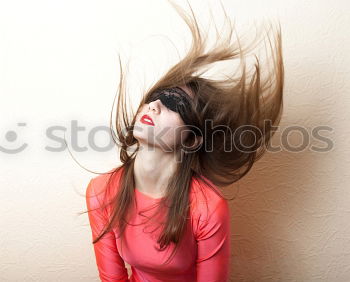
<point>141,136</point>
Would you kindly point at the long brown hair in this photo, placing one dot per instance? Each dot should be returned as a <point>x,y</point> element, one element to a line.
<point>233,105</point>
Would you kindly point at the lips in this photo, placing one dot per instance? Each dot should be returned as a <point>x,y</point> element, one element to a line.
<point>146,119</point>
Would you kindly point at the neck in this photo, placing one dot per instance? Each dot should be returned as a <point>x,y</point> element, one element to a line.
<point>153,169</point>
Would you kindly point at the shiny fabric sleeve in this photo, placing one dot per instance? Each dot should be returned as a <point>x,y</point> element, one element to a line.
<point>110,265</point>
<point>213,242</point>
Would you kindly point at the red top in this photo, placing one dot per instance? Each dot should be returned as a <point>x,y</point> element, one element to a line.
<point>203,255</point>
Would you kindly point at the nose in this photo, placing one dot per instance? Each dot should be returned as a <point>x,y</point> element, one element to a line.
<point>154,106</point>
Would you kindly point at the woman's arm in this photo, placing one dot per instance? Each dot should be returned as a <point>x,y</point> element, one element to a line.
<point>213,241</point>
<point>110,265</point>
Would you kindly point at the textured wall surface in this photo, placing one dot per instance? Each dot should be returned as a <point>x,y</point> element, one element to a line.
<point>58,67</point>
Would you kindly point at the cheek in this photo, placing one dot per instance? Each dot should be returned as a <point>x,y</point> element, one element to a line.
<point>169,131</point>
<point>176,129</point>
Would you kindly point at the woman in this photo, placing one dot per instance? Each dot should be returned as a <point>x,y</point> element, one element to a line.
<point>162,211</point>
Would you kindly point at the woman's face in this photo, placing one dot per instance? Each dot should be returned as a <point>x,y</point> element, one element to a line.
<point>158,125</point>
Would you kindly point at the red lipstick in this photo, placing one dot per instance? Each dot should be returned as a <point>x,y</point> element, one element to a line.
<point>146,119</point>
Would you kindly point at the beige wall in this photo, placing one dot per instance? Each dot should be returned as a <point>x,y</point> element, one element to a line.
<point>58,63</point>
